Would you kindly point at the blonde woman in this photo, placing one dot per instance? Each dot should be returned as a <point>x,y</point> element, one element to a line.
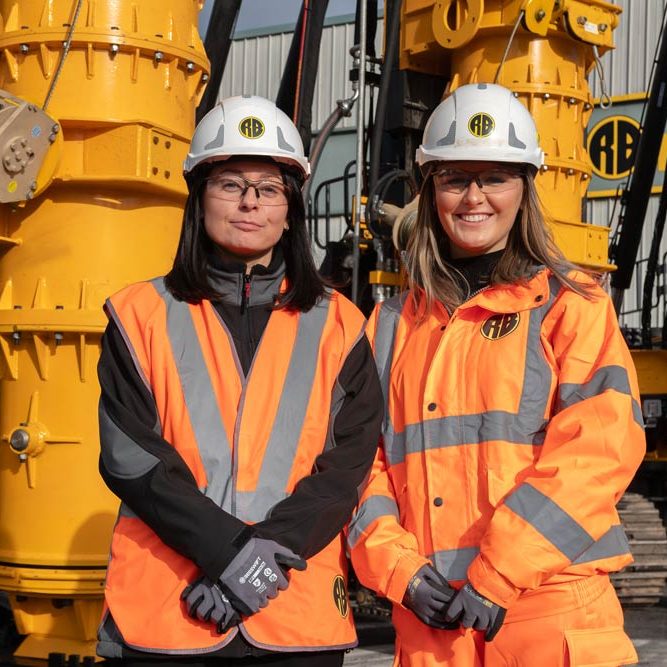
<point>512,423</point>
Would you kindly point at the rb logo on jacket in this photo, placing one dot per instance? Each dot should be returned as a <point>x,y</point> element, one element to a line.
<point>499,326</point>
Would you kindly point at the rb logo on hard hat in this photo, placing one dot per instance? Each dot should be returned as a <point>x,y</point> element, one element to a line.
<point>481,125</point>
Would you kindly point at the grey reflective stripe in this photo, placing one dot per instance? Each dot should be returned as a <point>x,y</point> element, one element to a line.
<point>467,430</point>
<point>552,522</point>
<point>383,344</point>
<point>453,564</point>
<point>613,543</point>
<point>371,509</point>
<point>121,455</point>
<point>606,377</point>
<point>385,333</point>
<point>393,443</point>
<point>200,399</point>
<point>285,434</point>
<point>533,405</point>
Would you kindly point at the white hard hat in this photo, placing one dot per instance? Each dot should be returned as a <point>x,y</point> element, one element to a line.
<point>484,122</point>
<point>249,126</point>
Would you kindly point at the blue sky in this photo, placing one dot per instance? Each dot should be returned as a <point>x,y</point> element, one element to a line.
<point>263,13</point>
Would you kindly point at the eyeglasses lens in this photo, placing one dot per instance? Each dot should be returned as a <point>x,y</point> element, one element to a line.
<point>489,182</point>
<point>268,193</point>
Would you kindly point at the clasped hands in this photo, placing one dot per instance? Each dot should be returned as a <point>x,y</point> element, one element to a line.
<point>256,575</point>
<point>437,604</point>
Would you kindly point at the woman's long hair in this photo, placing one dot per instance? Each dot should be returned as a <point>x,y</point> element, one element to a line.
<point>529,246</point>
<point>188,278</point>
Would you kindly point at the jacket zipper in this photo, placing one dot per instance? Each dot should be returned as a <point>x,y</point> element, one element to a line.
<point>245,292</point>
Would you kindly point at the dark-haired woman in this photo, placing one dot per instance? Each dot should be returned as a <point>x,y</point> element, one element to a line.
<point>512,424</point>
<point>239,416</point>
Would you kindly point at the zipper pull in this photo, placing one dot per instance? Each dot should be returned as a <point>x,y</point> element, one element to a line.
<point>245,295</point>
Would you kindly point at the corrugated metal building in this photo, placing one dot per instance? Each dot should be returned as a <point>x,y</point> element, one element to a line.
<point>256,60</point>
<point>627,72</point>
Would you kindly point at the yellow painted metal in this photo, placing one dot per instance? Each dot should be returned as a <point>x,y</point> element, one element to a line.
<point>651,366</point>
<point>392,278</point>
<point>125,100</point>
<point>547,70</point>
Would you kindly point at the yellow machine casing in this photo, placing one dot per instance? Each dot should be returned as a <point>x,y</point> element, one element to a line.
<point>123,99</point>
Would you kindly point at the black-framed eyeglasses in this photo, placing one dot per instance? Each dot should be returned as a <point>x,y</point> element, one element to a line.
<point>234,188</point>
<point>457,181</point>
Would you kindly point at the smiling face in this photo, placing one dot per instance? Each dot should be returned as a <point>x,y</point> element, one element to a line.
<point>477,223</point>
<point>244,230</point>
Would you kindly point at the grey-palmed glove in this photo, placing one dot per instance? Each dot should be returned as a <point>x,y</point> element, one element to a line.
<point>473,610</point>
<point>257,574</point>
<point>204,600</point>
<point>428,595</point>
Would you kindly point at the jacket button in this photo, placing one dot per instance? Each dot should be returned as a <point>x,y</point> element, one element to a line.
<point>431,407</point>
<point>437,501</point>
<point>539,298</point>
<point>443,327</point>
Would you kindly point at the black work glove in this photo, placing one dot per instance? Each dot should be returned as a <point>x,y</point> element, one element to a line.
<point>428,595</point>
<point>204,600</point>
<point>476,611</point>
<point>256,574</point>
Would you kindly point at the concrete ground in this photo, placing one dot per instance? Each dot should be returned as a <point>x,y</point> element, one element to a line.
<point>647,628</point>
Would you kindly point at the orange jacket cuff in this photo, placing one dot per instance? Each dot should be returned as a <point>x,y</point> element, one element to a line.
<point>491,584</point>
<point>405,569</point>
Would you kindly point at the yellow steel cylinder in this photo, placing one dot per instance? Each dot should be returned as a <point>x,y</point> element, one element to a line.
<point>546,66</point>
<point>124,101</point>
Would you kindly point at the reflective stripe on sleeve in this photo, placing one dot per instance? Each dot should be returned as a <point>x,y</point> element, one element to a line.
<point>453,564</point>
<point>605,378</point>
<point>371,509</point>
<point>205,418</point>
<point>552,522</point>
<point>286,431</point>
<point>613,543</point>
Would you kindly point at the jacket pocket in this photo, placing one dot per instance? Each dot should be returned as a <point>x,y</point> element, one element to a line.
<point>599,647</point>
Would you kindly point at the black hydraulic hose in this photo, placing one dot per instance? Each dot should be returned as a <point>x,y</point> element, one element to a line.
<point>217,44</point>
<point>377,194</point>
<point>318,147</point>
<point>652,267</point>
<point>392,17</point>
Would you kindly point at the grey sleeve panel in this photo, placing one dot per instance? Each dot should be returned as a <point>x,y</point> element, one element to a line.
<point>121,455</point>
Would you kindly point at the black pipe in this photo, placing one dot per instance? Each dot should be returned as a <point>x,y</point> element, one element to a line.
<point>217,44</point>
<point>635,199</point>
<point>392,18</point>
<point>652,267</point>
<point>297,85</point>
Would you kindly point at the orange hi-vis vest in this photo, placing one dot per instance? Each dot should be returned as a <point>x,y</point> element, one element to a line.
<point>248,443</point>
<point>511,430</point>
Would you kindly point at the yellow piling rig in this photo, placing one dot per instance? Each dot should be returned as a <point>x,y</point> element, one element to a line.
<point>120,80</point>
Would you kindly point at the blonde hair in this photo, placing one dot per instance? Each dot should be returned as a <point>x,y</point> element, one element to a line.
<point>529,245</point>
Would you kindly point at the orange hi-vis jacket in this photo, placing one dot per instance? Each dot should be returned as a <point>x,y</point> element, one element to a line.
<point>512,428</point>
<point>247,444</point>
